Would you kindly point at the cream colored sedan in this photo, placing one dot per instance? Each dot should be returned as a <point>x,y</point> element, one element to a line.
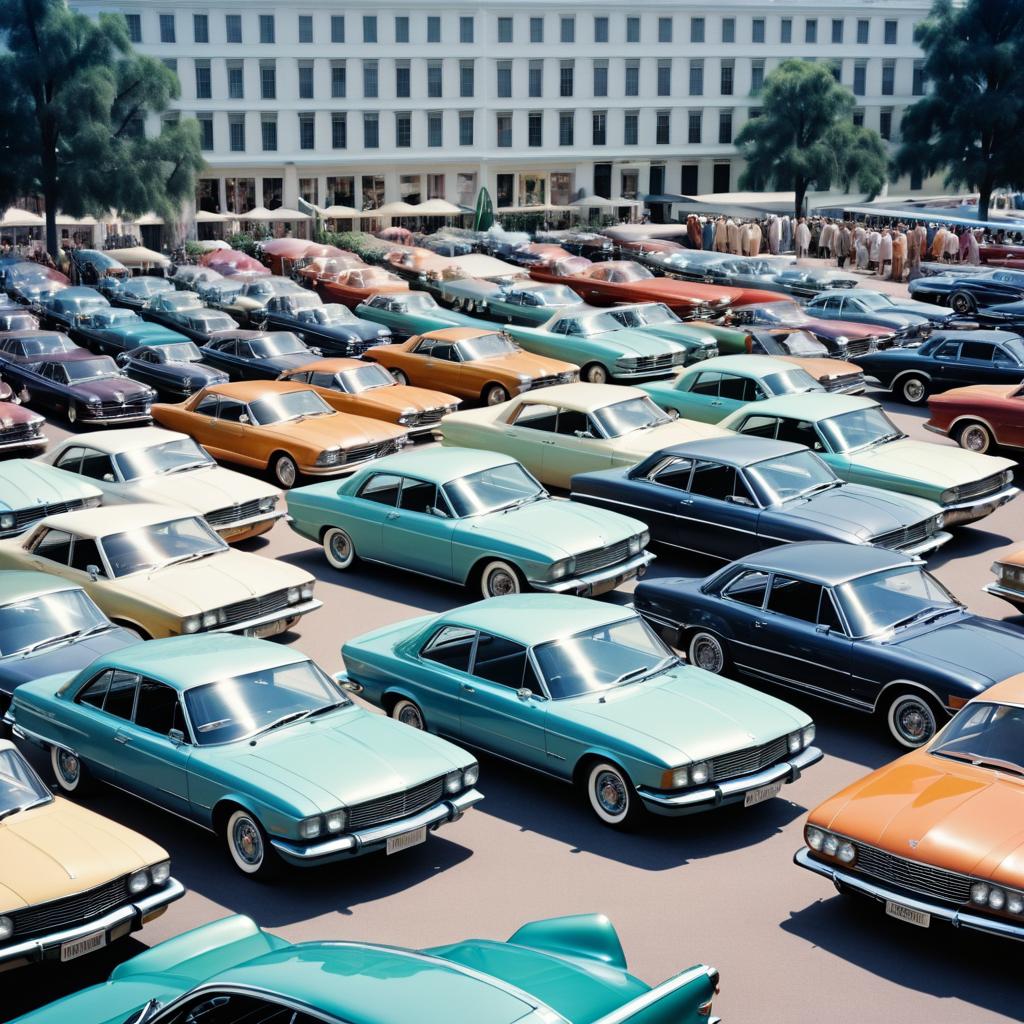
<point>163,572</point>
<point>148,464</point>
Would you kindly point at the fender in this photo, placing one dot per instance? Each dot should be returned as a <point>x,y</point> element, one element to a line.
<point>909,684</point>
<point>973,418</point>
<point>904,373</point>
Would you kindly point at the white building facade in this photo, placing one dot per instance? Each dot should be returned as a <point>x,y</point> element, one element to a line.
<point>539,102</point>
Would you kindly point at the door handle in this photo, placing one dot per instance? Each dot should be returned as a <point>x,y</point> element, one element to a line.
<point>467,688</point>
<point>121,738</point>
<point>686,501</point>
<point>716,402</point>
<point>759,624</point>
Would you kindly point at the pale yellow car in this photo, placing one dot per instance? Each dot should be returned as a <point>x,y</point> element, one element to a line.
<point>71,881</point>
<point>164,572</point>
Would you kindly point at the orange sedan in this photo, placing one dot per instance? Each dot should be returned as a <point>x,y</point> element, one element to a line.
<point>937,834</point>
<point>470,363</point>
<point>367,389</point>
<point>282,426</point>
<point>351,287</point>
<point>327,266</point>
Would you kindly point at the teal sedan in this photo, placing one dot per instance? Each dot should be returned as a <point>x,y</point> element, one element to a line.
<point>471,517</point>
<point>410,313</point>
<point>588,693</point>
<point>566,970</point>
<point>251,741</point>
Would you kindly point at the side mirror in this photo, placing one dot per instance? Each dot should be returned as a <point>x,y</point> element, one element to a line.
<point>822,628</point>
<point>243,418</point>
<point>585,434</point>
<point>108,478</point>
<point>176,736</point>
<point>439,512</point>
<point>122,359</point>
<point>673,414</point>
<point>93,571</point>
<point>524,694</point>
<point>145,1013</point>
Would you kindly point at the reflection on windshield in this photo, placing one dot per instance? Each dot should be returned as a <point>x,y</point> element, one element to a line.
<point>20,787</point>
<point>181,353</point>
<point>777,313</point>
<point>153,547</point>
<point>557,295</point>
<point>491,490</point>
<point>789,476</point>
<point>169,457</point>
<point>858,429</point>
<point>790,382</point>
<point>893,597</point>
<point>989,735</point>
<point>291,405</point>
<point>112,317</point>
<point>89,369</point>
<point>365,378</point>
<point>35,620</point>
<point>646,316</point>
<point>487,346</point>
<point>800,343</point>
<point>283,344</point>
<point>334,313</point>
<point>625,417</point>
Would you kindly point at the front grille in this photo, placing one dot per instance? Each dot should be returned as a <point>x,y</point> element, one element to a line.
<point>978,488</point>
<point>255,607</point>
<point>234,514</point>
<point>545,382</point>
<point>599,558</point>
<point>26,517</point>
<point>849,382</point>
<point>72,910</point>
<point>858,348</point>
<point>426,418</point>
<point>132,407</point>
<point>398,805</point>
<point>663,362</point>
<point>357,346</point>
<point>753,759</point>
<point>21,432</point>
<point>908,874</point>
<point>907,536</point>
<point>365,452</point>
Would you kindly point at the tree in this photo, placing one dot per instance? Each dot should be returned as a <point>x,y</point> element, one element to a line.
<point>74,98</point>
<point>805,136</point>
<point>971,123</point>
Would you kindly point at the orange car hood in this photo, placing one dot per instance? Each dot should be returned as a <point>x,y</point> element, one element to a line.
<point>523,362</point>
<point>988,391</point>
<point>937,811</point>
<point>324,431</point>
<point>823,369</point>
<point>405,397</point>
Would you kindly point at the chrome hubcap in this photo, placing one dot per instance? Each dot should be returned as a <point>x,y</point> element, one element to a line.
<point>69,767</point>
<point>247,841</point>
<point>914,721</point>
<point>707,655</point>
<point>597,375</point>
<point>410,716</point>
<point>975,439</point>
<point>340,547</point>
<point>500,583</point>
<point>496,396</point>
<point>611,793</point>
<point>286,472</point>
<point>914,390</point>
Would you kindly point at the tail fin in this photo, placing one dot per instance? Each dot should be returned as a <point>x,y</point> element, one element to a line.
<point>686,998</point>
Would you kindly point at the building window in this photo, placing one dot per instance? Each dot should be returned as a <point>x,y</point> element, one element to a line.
<point>201,28</point>
<point>434,81</point>
<point>338,76</point>
<point>266,28</point>
<point>401,28</point>
<point>339,130</point>
<point>665,77</point>
<point>632,29</point>
<point>757,30</point>
<point>696,78</point>
<point>688,180</point>
<point>435,186</point>
<point>135,27</point>
<point>631,128</point>
<point>306,80</point>
<point>403,130</point>
<point>837,30</point>
<point>565,79</point>
<point>504,70</point>
<point>371,131</point>
<point>535,129</point>
<point>337,28</point>
<point>273,193</point>
<point>836,67</point>
<point>695,127</point>
<point>863,27</point>
<point>725,126</point>
<point>918,84</point>
<point>205,132</point>
<point>860,76</point>
<point>369,28</point>
<point>466,29</point>
<point>567,30</point>
<point>504,126</point>
<point>203,91</point>
<point>504,192</point>
<point>728,74</point>
<point>536,79</point>
<point>307,131</point>
<point>236,83</point>
<point>858,117</point>
<point>370,84</point>
<point>600,29</point>
<point>890,33</point>
<point>888,77</point>
<point>721,178</point>
<point>599,122</point>
<point>536,30</point>
<point>662,122</point>
<point>167,28</point>
<point>268,80</point>
<point>632,78</point>
<point>236,132</point>
<point>916,181</point>
<point>433,29</point>
<point>696,30</point>
<point>466,83</point>
<point>504,30</point>
<point>566,120</point>
<point>728,30</point>
<point>402,80</point>
<point>786,30</point>
<point>885,124</point>
<point>465,128</point>
<point>811,30</point>
<point>308,190</point>
<point>268,127</point>
<point>600,78</point>
<point>171,63</point>
<point>664,30</point>
<point>305,28</point>
<point>756,77</point>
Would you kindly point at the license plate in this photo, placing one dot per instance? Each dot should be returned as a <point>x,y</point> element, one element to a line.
<point>762,793</point>
<point>908,914</point>
<point>398,843</point>
<point>267,629</point>
<point>73,950</point>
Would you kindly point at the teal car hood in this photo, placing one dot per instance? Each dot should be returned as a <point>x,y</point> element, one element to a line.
<point>634,343</point>
<point>145,334</point>
<point>684,715</point>
<point>24,484</point>
<point>925,462</point>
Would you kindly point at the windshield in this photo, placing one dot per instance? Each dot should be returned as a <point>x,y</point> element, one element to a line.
<point>776,313</point>
<point>181,300</point>
<point>790,382</point>
<point>486,346</point>
<point>334,313</point>
<point>598,323</point>
<point>858,429</point>
<point>47,345</point>
<point>213,323</point>
<point>148,285</point>
<point>89,369</point>
<point>283,344</point>
<point>185,352</point>
<point>625,417</point>
<point>20,787</point>
<point>115,317</point>
<point>598,659</point>
<point>621,272</point>
<point>292,405</point>
<point>894,597</point>
<point>241,706</point>
<point>419,302</point>
<point>789,476</point>
<point>800,343</point>
<point>491,490</point>
<point>986,735</point>
<point>873,300</point>
<point>648,316</point>
<point>153,547</point>
<point>365,378</point>
<point>161,459</point>
<point>556,295</point>
<point>34,621</point>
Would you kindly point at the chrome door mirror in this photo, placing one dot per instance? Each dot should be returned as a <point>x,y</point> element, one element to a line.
<point>523,693</point>
<point>93,571</point>
<point>176,736</point>
<point>145,1013</point>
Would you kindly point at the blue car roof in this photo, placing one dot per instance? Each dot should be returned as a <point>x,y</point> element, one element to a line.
<point>825,562</point>
<point>738,451</point>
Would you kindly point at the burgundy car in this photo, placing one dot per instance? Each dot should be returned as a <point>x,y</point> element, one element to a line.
<point>21,430</point>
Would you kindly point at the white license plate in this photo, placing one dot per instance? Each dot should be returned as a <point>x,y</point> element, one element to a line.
<point>762,793</point>
<point>72,950</point>
<point>267,629</point>
<point>398,843</point>
<point>908,914</point>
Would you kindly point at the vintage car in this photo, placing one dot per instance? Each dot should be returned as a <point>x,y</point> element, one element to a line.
<point>82,387</point>
<point>859,441</point>
<point>185,313</point>
<point>186,278</point>
<point>406,314</point>
<point>414,264</point>
<point>332,328</point>
<point>148,464</point>
<point>62,310</point>
<point>17,318</point>
<point>249,303</point>
<point>473,518</point>
<point>350,287</point>
<point>519,302</point>
<point>134,292</point>
<point>367,389</point>
<point>163,572</point>
<point>656,319</point>
<point>30,283</point>
<point>947,359</point>
<point>93,265</point>
<point>281,426</point>
<point>591,244</point>
<point>173,370</point>
<point>729,496</point>
<point>1009,579</point>
<point>566,970</point>
<point>935,835</point>
<point>48,625</point>
<point>30,490</point>
<point>1004,316</point>
<point>445,245</point>
<point>865,627</point>
<point>327,267</point>
<point>281,254</point>
<point>29,348</point>
<point>546,690</point>
<point>73,881</point>
<point>21,430</point>
<point>971,292</point>
<point>980,417</point>
<point>476,364</point>
<point>208,709</point>
<point>229,262</point>
<point>561,431</point>
<point>256,355</point>
<point>110,331</point>
<point>877,309</point>
<point>555,271</point>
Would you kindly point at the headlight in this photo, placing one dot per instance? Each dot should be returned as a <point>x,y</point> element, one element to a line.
<point>93,400</point>
<point>939,521</point>
<point>699,773</point>
<point>453,782</point>
<point>1007,477</point>
<point>846,853</point>
<point>191,624</point>
<point>7,521</point>
<point>450,408</point>
<point>310,828</point>
<point>329,457</point>
<point>627,362</point>
<point>335,821</point>
<point>268,504</point>
<point>796,742</point>
<point>6,928</point>
<point>808,734</point>
<point>562,568</point>
<point>525,383</point>
<point>471,775</point>
<point>306,590</point>
<point>160,872</point>
<point>293,595</point>
<point>407,417</point>
<point>92,502</point>
<point>814,837</point>
<point>842,340</point>
<point>138,882</point>
<point>676,778</point>
<point>948,496</point>
<point>830,845</point>
<point>209,620</point>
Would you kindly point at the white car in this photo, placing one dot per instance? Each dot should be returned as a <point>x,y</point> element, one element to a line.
<point>148,464</point>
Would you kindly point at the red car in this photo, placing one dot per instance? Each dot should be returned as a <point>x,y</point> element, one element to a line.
<point>21,430</point>
<point>980,417</point>
<point>998,253</point>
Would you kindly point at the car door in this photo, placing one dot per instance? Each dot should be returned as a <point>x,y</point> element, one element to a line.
<point>51,552</point>
<point>527,433</point>
<point>419,531</point>
<point>576,447</point>
<point>945,363</point>
<point>717,515</point>
<point>202,423</point>
<point>444,662</point>
<point>377,501</point>
<point>101,708</point>
<point>973,367</point>
<point>1006,367</point>
<point>98,468</point>
<point>741,604</point>
<point>700,400</point>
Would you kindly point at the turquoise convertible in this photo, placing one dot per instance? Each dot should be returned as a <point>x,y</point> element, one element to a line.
<point>566,970</point>
<point>250,740</point>
<point>586,692</point>
<point>471,517</point>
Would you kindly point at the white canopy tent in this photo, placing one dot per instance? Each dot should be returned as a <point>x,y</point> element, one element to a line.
<point>139,256</point>
<point>15,218</point>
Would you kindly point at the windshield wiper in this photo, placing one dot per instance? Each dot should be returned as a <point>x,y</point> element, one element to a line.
<point>632,675</point>
<point>192,556</point>
<point>924,614</point>
<point>23,807</point>
<point>50,641</point>
<point>826,486</point>
<point>183,468</point>
<point>980,761</point>
<point>328,707</point>
<point>292,716</point>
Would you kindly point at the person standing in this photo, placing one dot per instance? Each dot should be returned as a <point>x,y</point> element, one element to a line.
<point>844,243</point>
<point>938,244</point>
<point>952,246</point>
<point>973,249</point>
<point>745,239</point>
<point>899,254</point>
<point>708,234</point>
<point>802,237</point>
<point>884,253</point>
<point>825,240</point>
<point>874,243</point>
<point>721,235</point>
<point>754,248</point>
<point>732,237</point>
<point>774,235</point>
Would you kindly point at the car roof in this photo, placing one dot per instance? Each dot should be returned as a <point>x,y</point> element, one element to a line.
<point>755,365</point>
<point>994,337</point>
<point>110,519</point>
<point>123,440</point>
<point>810,405</point>
<point>460,333</point>
<point>738,450</point>
<point>330,365</point>
<point>439,464</point>
<point>826,562</point>
<point>251,390</point>
<point>583,397</point>
<point>18,584</point>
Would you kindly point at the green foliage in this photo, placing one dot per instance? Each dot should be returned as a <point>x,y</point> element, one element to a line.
<point>73,98</point>
<point>364,245</point>
<point>194,251</point>
<point>971,123</point>
<point>805,136</point>
<point>248,241</point>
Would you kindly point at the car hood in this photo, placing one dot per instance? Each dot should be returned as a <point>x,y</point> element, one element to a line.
<point>862,512</point>
<point>344,759</point>
<point>109,388</point>
<point>10,414</point>
<point>825,369</point>
<point>203,490</point>
<point>699,294</point>
<point>143,334</point>
<point>69,657</point>
<point>24,484</point>
<point>683,715</point>
<point>980,648</point>
<point>941,465</point>
<point>523,362</point>
<point>341,428</point>
<point>928,310</point>
<point>844,328</point>
<point>61,849</point>
<point>639,343</point>
<point>405,396</point>
<point>641,443</point>
<point>290,361</point>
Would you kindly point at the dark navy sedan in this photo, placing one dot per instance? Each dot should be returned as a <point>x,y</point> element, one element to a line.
<point>174,371</point>
<point>967,293</point>
<point>861,626</point>
<point>333,328</point>
<point>861,306</point>
<point>257,355</point>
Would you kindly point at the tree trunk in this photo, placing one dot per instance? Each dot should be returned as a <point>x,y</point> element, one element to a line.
<point>984,198</point>
<point>51,225</point>
<point>799,194</point>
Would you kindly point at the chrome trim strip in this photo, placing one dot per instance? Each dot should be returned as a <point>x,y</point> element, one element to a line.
<point>635,1007</point>
<point>589,580</point>
<point>998,590</point>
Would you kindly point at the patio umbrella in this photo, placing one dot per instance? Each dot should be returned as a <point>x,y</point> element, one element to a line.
<point>439,208</point>
<point>15,218</point>
<point>397,209</point>
<point>281,214</point>
<point>208,217</point>
<point>595,202</point>
<point>260,213</point>
<point>146,220</point>
<point>139,256</point>
<point>212,243</point>
<point>340,213</point>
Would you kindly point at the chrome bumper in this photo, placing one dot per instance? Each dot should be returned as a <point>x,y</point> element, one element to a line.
<point>244,525</point>
<point>599,582</point>
<point>293,611</point>
<point>731,791</point>
<point>110,421</point>
<point>851,882</point>
<point>25,442</point>
<point>1015,597</point>
<point>971,511</point>
<point>934,429</point>
<point>367,840</point>
<point>116,924</point>
<point>647,373</point>
<point>932,543</point>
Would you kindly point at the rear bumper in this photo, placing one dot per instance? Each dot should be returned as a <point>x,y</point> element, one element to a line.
<point>1015,597</point>
<point>935,430</point>
<point>599,582</point>
<point>971,511</point>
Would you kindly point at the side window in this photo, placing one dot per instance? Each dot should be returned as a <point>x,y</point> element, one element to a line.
<point>230,411</point>
<point>706,384</point>
<point>446,351</point>
<point>571,423</point>
<point>827,614</point>
<point>736,389</point>
<point>55,546</point>
<point>381,488</point>
<point>948,350</point>
<point>417,496</point>
<point>425,347</point>
<point>97,465</point>
<point>748,588</point>
<point>157,708</point>
<point>760,426</point>
<point>504,662</point>
<point>800,432</point>
<point>796,599</point>
<point>208,406</point>
<point>301,378</point>
<point>712,480</point>
<point>976,350</point>
<point>95,693</point>
<point>674,473</point>
<point>213,1007</point>
<point>1000,357</point>
<point>451,646</point>
<point>120,700</point>
<point>320,380</point>
<point>70,459</point>
<point>86,553</point>
<point>537,417</point>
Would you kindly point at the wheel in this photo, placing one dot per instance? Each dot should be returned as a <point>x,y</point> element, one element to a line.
<point>594,373</point>
<point>499,579</point>
<point>975,437</point>
<point>612,796</point>
<point>962,302</point>
<point>495,394</point>
<point>408,713</point>
<point>339,549</point>
<point>914,389</point>
<point>400,378</point>
<point>72,414</point>
<point>72,776</point>
<point>248,845</point>
<point>286,472</point>
<point>706,651</point>
<point>912,718</point>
